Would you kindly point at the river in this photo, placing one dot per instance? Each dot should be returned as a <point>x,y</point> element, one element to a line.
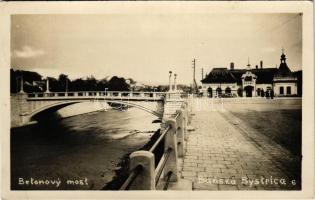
<point>84,148</point>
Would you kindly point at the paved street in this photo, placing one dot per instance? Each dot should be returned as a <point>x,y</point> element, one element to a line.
<point>223,154</point>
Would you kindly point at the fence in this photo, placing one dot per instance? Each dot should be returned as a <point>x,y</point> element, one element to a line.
<point>98,93</point>
<point>143,173</point>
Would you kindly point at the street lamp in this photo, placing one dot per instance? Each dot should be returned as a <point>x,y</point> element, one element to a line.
<point>66,84</point>
<point>154,94</point>
<point>22,84</point>
<point>170,83</point>
<point>175,86</point>
<point>47,85</point>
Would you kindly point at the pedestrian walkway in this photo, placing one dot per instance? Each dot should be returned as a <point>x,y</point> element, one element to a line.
<point>219,157</point>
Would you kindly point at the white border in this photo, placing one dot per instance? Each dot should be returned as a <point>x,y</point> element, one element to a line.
<point>305,7</point>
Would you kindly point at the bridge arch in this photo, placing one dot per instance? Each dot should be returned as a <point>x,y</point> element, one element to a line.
<point>39,113</point>
<point>128,103</point>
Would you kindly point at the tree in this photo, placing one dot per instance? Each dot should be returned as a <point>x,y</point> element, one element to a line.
<point>28,78</point>
<point>63,82</point>
<point>14,85</point>
<point>78,85</point>
<point>162,88</point>
<point>102,84</point>
<point>132,81</point>
<point>117,84</point>
<point>53,84</point>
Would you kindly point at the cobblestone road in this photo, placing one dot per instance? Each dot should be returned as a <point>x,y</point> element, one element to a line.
<point>219,156</point>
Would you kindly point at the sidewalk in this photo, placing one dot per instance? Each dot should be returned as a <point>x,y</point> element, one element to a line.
<point>219,156</point>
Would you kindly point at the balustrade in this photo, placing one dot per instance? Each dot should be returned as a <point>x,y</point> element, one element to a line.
<point>248,82</point>
<point>143,174</point>
<point>105,94</point>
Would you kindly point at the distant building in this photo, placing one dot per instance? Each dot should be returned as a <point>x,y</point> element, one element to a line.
<point>253,82</point>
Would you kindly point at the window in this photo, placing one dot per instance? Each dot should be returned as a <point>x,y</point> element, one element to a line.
<point>248,78</point>
<point>209,92</point>
<point>219,91</point>
<point>281,90</point>
<point>288,90</point>
<point>228,90</point>
<point>258,92</point>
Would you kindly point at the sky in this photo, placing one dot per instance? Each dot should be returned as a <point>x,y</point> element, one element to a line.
<point>146,47</point>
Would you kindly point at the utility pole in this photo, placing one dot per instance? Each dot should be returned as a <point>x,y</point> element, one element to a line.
<point>194,85</point>
<point>175,84</point>
<point>201,73</point>
<point>248,65</point>
<point>170,83</point>
<point>194,68</point>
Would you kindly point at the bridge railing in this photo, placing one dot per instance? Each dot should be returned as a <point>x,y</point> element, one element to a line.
<point>143,173</point>
<point>123,94</point>
<point>97,93</point>
<point>106,94</point>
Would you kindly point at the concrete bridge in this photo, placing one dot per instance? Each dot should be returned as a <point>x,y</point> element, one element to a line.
<point>28,107</point>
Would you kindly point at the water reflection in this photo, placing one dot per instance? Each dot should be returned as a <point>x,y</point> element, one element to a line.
<point>84,146</point>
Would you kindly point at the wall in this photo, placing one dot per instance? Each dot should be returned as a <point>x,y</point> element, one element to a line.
<point>285,85</point>
<point>223,86</point>
<point>263,86</point>
<point>234,87</point>
<point>18,105</point>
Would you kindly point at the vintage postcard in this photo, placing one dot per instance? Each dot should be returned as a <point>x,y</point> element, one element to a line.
<point>157,100</point>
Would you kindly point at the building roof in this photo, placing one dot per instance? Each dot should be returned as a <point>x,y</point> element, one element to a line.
<point>237,73</point>
<point>264,75</point>
<point>219,75</point>
<point>283,71</point>
<point>224,75</point>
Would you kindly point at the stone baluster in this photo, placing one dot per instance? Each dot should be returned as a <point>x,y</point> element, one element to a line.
<point>146,178</point>
<point>171,143</point>
<point>180,133</point>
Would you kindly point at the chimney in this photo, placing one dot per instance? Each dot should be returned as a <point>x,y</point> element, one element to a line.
<point>261,64</point>
<point>232,66</point>
<point>256,66</point>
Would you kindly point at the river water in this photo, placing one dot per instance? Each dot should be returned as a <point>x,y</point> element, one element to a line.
<point>81,152</point>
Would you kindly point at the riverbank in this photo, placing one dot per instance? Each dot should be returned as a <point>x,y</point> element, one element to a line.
<point>122,172</point>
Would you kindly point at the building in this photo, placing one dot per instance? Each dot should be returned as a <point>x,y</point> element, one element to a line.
<point>252,82</point>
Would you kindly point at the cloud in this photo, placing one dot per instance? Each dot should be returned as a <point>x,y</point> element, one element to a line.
<point>268,49</point>
<point>28,52</point>
<point>50,72</point>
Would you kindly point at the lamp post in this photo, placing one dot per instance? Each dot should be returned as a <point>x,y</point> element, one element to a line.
<point>47,85</point>
<point>170,82</point>
<point>67,85</point>
<point>22,87</point>
<point>175,86</point>
<point>154,94</point>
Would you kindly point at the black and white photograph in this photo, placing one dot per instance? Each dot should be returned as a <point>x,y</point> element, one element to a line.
<point>176,101</point>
